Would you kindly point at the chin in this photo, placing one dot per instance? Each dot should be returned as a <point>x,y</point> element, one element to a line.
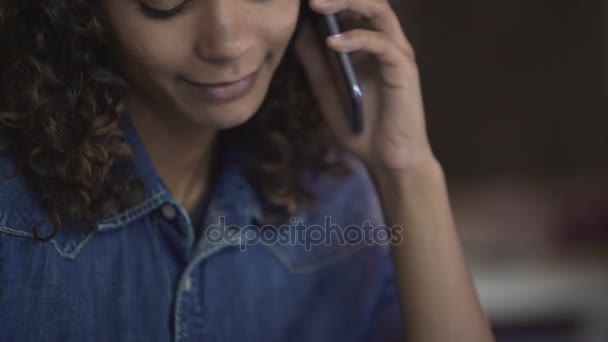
<point>233,119</point>
<point>227,115</point>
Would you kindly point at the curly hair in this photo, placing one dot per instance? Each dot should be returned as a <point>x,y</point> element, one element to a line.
<point>61,101</point>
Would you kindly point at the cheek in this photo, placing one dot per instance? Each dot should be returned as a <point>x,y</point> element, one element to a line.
<point>279,23</point>
<point>152,51</point>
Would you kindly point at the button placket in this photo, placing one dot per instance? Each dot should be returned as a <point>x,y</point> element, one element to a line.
<point>188,314</point>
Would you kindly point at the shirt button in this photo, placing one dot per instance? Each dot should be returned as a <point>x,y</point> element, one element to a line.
<point>168,211</point>
<point>187,284</point>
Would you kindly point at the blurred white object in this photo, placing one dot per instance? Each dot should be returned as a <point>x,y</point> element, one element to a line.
<point>540,292</point>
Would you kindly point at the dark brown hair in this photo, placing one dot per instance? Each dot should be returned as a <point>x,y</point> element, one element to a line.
<point>61,100</point>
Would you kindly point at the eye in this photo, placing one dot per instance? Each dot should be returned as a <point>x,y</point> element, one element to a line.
<point>162,14</point>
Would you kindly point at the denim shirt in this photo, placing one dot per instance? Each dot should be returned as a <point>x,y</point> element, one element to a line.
<point>140,275</point>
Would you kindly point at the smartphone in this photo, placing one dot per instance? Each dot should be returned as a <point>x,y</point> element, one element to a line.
<point>340,62</point>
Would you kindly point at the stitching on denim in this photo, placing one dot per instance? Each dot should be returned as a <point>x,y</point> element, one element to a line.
<point>16,232</point>
<point>180,330</point>
<point>195,296</point>
<point>178,309</point>
<point>131,214</point>
<point>177,321</point>
<point>313,267</point>
<point>185,332</point>
<point>62,251</point>
<point>73,254</point>
<point>208,252</point>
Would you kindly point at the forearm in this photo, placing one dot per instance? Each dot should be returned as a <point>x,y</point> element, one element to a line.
<point>437,294</point>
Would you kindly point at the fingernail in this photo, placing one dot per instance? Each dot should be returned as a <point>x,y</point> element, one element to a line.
<point>337,37</point>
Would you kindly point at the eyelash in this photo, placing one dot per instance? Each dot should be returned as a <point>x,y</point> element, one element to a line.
<point>161,14</point>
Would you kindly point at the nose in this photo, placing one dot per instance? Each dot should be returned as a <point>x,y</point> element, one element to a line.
<point>223,32</point>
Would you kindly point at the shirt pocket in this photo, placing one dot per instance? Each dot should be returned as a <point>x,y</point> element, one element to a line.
<point>313,243</point>
<point>298,259</point>
<point>346,220</point>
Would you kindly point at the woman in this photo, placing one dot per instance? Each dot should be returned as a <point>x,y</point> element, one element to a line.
<point>149,146</point>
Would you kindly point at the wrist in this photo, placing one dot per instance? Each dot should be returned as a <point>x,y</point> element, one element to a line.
<point>424,179</point>
<point>422,169</point>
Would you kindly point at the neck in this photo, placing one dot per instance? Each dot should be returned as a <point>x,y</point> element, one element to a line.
<point>180,151</point>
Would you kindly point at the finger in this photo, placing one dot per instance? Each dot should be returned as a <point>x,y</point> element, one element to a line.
<point>392,61</point>
<point>379,13</point>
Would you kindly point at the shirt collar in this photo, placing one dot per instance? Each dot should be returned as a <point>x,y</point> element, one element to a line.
<point>232,196</point>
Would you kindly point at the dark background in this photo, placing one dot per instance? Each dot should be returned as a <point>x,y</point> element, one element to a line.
<point>515,97</point>
<point>513,88</point>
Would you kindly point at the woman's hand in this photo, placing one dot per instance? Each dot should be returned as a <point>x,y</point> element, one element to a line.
<point>394,136</point>
<point>436,291</point>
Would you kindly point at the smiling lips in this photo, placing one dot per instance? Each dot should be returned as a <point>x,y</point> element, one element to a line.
<point>223,92</point>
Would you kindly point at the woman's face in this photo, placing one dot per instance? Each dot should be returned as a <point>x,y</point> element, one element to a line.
<point>179,55</point>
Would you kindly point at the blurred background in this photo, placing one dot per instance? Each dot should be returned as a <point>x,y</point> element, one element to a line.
<point>516,100</point>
